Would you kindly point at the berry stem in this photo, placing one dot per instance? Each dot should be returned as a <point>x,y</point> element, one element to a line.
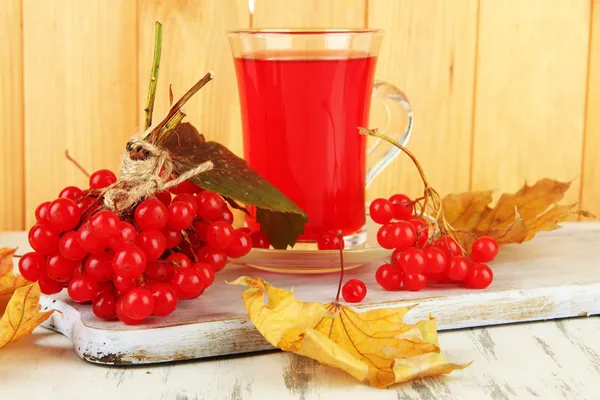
<point>149,110</point>
<point>337,297</point>
<point>376,133</point>
<point>76,163</point>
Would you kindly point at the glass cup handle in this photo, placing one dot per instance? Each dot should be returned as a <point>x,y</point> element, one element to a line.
<point>381,153</point>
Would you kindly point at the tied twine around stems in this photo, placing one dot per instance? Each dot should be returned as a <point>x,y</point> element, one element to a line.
<point>142,178</point>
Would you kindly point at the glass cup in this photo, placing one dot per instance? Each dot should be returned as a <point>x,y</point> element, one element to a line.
<point>304,94</point>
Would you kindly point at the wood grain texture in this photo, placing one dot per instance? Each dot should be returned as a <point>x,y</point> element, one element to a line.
<point>194,42</point>
<point>590,196</point>
<point>80,90</point>
<point>544,360</point>
<point>11,114</point>
<point>429,52</point>
<point>531,90</point>
<point>309,14</point>
<point>531,282</point>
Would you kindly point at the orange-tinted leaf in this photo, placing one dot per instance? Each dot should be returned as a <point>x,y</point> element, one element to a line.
<point>9,282</point>
<point>22,314</point>
<point>530,201</point>
<point>514,219</point>
<point>463,211</point>
<point>375,346</point>
<point>515,232</point>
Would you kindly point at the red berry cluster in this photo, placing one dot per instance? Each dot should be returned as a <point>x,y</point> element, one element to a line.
<point>417,258</point>
<point>139,263</point>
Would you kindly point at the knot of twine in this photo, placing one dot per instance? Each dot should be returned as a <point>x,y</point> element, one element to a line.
<point>142,178</point>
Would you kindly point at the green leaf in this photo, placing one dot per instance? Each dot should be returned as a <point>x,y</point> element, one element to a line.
<point>280,218</point>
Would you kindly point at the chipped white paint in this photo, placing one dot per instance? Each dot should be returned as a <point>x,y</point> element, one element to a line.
<point>556,275</point>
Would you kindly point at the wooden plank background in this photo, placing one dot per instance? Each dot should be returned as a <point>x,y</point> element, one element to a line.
<point>503,90</point>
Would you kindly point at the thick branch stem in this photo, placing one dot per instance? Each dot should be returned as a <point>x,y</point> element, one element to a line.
<point>149,110</point>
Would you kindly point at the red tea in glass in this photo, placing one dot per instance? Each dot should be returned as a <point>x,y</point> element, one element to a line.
<point>303,95</point>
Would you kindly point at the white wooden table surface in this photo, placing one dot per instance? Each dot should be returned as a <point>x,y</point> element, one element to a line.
<point>542,360</point>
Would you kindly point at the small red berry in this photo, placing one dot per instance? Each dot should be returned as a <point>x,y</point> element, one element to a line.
<point>380,211</point>
<point>32,266</point>
<point>484,249</point>
<point>69,246</point>
<point>436,261</point>
<point>172,238</point>
<point>479,276</point>
<point>63,214</point>
<point>89,242</point>
<point>218,258</point>
<point>41,212</point>
<point>71,192</point>
<point>240,245</point>
<point>422,231</point>
<point>330,241</point>
<point>152,243</point>
<point>389,277</point>
<point>102,178</point>
<point>188,283</point>
<point>180,216</point>
<point>105,224</point>
<point>260,240</point>
<point>402,206</point>
<point>210,206</point>
<point>138,303</point>
<point>219,235</point>
<point>458,267</point>
<point>151,215</point>
<point>449,246</point>
<point>207,272</point>
<point>99,266</point>
<point>354,291</point>
<point>179,260</point>
<point>59,268</point>
<point>165,299</point>
<point>104,305</point>
<point>159,271</point>
<point>49,286</point>
<point>43,238</point>
<point>129,261</point>
<point>411,261</point>
<point>415,282</point>
<point>121,315</point>
<point>82,288</point>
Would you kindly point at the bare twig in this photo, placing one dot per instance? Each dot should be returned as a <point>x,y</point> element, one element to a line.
<point>180,103</point>
<point>76,163</point>
<point>337,296</point>
<point>149,110</point>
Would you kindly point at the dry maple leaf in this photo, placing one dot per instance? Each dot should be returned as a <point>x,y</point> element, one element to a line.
<point>374,346</point>
<point>22,314</point>
<point>9,282</point>
<point>515,218</point>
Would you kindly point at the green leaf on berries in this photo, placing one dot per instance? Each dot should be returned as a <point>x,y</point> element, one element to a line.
<point>280,218</point>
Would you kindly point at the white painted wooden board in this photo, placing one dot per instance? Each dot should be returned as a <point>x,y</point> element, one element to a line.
<point>556,275</point>
<point>531,361</point>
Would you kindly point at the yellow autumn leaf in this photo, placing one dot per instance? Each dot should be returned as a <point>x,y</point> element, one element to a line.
<point>22,314</point>
<point>464,210</point>
<point>374,346</point>
<point>9,282</point>
<point>515,218</point>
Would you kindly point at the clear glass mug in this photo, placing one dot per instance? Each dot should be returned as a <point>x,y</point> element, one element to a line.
<point>304,94</point>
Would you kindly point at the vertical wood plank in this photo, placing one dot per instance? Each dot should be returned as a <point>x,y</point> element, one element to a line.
<point>429,52</point>
<point>309,14</point>
<point>194,42</point>
<point>11,116</point>
<point>530,97</point>
<point>80,90</point>
<point>590,199</point>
